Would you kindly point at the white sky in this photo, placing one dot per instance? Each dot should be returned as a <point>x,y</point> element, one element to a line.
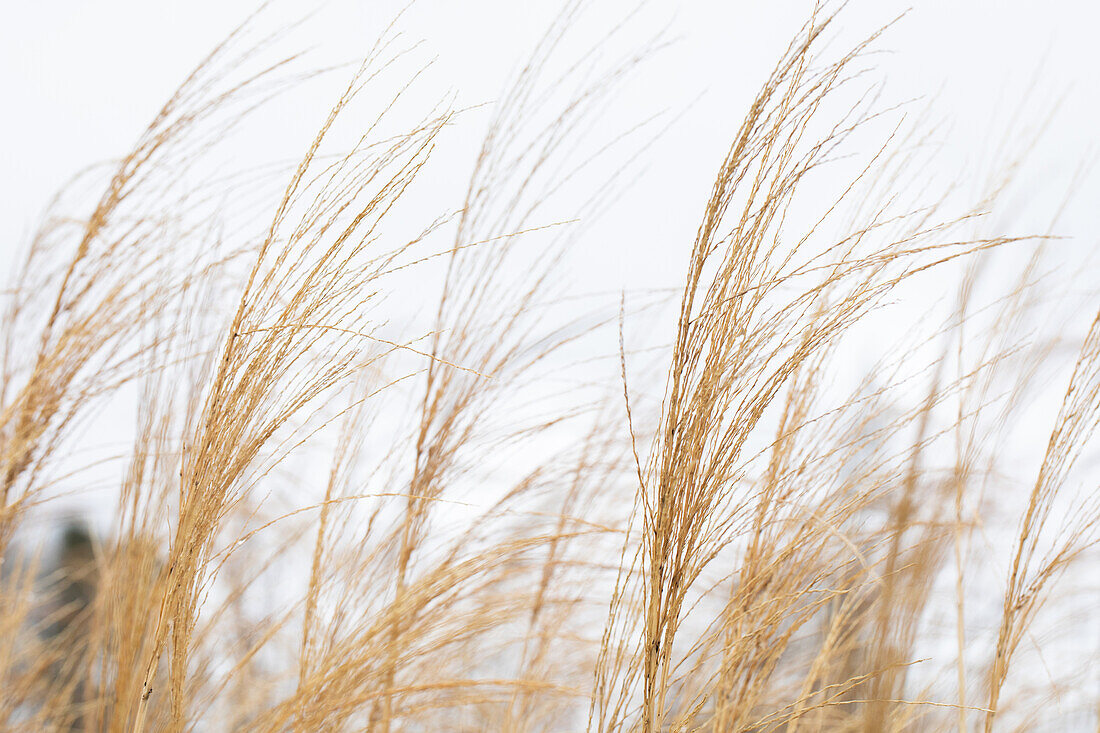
<point>81,79</point>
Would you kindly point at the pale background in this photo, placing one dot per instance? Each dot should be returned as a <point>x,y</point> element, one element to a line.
<point>81,79</point>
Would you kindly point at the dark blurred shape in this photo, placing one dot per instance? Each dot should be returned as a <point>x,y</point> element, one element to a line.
<point>76,578</point>
<point>72,591</point>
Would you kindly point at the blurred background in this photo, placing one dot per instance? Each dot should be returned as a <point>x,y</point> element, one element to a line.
<point>81,81</point>
<point>994,86</point>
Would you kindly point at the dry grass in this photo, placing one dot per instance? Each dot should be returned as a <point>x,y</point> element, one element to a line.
<point>761,547</point>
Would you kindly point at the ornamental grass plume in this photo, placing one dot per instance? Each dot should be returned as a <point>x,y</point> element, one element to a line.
<point>325,522</point>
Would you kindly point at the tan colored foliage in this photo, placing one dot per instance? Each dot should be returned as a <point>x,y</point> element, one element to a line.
<point>758,550</point>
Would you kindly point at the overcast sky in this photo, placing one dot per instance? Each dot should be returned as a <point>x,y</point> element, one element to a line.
<point>81,79</point>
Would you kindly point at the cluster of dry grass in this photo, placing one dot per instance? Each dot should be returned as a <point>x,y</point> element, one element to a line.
<point>760,549</point>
